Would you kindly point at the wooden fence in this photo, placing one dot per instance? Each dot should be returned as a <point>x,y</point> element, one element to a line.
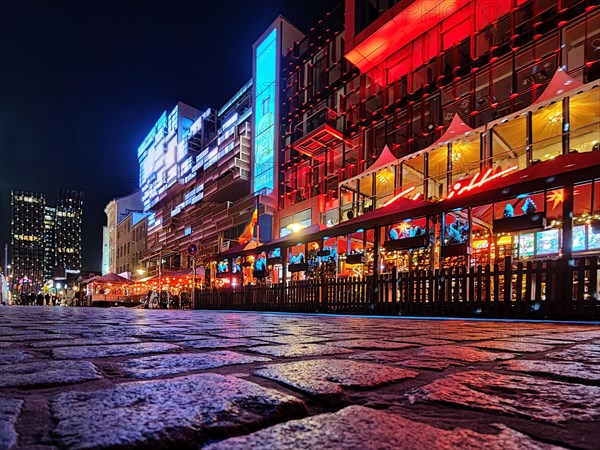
<point>552,289</point>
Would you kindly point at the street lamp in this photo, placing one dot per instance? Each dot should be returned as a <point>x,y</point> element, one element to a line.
<point>295,227</point>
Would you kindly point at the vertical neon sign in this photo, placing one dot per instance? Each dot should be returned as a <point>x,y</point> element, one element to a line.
<point>264,119</point>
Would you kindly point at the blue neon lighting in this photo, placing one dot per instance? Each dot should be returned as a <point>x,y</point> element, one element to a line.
<point>264,121</point>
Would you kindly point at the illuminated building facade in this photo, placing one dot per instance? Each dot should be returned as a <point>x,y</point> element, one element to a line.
<point>27,241</point>
<point>49,241</point>
<point>131,244</point>
<point>105,250</point>
<point>117,210</point>
<point>67,234</point>
<point>391,112</point>
<point>209,202</point>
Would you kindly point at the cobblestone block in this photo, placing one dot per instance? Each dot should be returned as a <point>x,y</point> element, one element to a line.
<point>167,414</point>
<point>325,377</point>
<point>357,427</point>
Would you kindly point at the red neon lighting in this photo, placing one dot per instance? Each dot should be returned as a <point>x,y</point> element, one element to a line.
<point>401,194</point>
<point>405,27</point>
<point>417,195</point>
<point>458,189</point>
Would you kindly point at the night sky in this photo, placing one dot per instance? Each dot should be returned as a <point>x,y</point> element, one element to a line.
<point>82,83</point>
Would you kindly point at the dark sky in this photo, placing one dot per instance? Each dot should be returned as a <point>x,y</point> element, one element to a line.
<point>82,82</point>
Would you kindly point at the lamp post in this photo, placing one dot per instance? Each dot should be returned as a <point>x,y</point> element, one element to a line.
<point>159,274</point>
<point>193,282</point>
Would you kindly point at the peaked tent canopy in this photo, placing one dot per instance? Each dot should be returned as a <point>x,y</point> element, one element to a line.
<point>457,128</point>
<point>108,278</point>
<point>560,83</point>
<point>385,159</point>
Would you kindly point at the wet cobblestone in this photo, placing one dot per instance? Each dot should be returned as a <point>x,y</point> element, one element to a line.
<point>161,365</point>
<point>522,395</point>
<point>43,373</point>
<point>9,411</point>
<point>155,412</point>
<point>127,378</point>
<point>357,427</point>
<point>327,376</point>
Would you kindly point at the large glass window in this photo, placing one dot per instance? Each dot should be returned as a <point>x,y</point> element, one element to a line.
<point>295,222</point>
<point>413,171</point>
<point>574,46</point>
<point>384,185</point>
<point>584,110</point>
<point>502,86</point>
<point>547,132</point>
<point>508,143</point>
<point>465,158</point>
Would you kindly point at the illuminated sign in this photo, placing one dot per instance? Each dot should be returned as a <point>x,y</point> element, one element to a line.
<point>526,245</point>
<point>401,194</point>
<point>264,119</point>
<point>593,239</point>
<point>547,242</point>
<point>505,240</point>
<point>578,238</point>
<point>476,182</point>
<point>480,244</point>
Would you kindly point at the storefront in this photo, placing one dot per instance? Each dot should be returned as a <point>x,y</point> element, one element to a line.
<point>524,186</point>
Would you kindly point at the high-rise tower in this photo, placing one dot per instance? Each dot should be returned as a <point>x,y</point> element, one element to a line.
<point>27,237</point>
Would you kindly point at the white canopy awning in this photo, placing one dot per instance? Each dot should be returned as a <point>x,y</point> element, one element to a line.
<point>385,159</point>
<point>456,130</point>
<point>561,83</point>
<point>560,86</point>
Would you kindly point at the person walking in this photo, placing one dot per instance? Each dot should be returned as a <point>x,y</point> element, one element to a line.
<point>3,289</point>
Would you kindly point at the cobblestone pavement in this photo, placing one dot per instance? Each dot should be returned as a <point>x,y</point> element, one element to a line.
<point>128,378</point>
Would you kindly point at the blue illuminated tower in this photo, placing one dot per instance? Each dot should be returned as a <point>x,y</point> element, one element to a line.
<point>267,53</point>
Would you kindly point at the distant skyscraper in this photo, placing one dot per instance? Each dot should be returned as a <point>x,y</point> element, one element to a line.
<point>44,238</point>
<point>49,241</point>
<point>27,238</point>
<point>69,211</point>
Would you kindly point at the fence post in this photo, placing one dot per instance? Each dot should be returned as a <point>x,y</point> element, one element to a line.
<point>507,286</point>
<point>566,267</point>
<point>395,290</point>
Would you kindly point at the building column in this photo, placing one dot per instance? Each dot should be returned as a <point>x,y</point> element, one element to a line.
<point>376,263</point>
<point>483,154</point>
<point>567,216</point>
<point>426,176</point>
<point>442,231</point>
<point>449,170</point>
<point>529,138</point>
<point>566,127</point>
